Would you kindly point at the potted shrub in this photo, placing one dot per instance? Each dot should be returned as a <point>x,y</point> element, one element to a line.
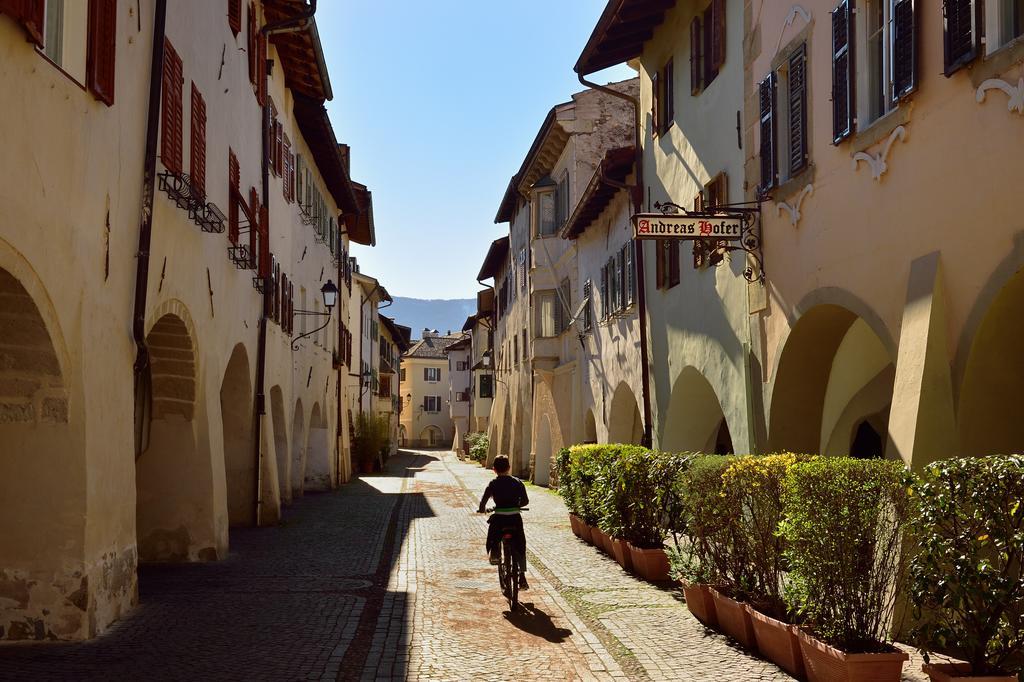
<point>648,477</point>
<point>756,483</point>
<point>567,490</point>
<point>717,550</point>
<point>696,584</point>
<point>584,464</point>
<point>613,499</point>
<point>843,529</point>
<point>966,584</point>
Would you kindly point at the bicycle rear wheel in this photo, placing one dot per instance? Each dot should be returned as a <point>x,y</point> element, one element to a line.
<point>511,565</point>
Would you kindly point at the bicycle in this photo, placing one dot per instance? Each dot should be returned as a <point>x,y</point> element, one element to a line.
<point>509,568</point>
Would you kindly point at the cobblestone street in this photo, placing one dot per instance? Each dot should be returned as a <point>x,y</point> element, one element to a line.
<point>386,579</point>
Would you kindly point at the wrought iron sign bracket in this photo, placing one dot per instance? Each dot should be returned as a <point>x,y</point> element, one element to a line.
<point>295,341</point>
<point>711,250</point>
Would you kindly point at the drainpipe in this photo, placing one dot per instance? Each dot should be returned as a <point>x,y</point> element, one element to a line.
<point>148,181</point>
<point>641,285</point>
<point>297,22</point>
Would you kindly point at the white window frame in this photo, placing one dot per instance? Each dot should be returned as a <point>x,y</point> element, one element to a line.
<point>998,32</point>
<point>432,375</point>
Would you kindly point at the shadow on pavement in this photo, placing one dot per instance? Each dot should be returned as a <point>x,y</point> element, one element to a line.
<point>536,622</point>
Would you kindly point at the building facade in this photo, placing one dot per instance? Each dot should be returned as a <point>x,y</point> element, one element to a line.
<point>426,416</point>
<point>152,283</point>
<point>460,377</point>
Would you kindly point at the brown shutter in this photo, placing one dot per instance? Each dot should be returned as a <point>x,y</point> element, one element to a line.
<point>197,155</point>
<point>842,72</point>
<point>289,171</point>
<point>798,110</point>
<point>655,108</point>
<point>708,41</point>
<point>904,49</point>
<point>283,283</point>
<point>251,44</point>
<point>261,68</point>
<point>102,43</point>
<point>766,95</point>
<point>234,195</point>
<point>717,52</point>
<point>291,309</point>
<point>279,147</point>
<point>673,247</point>
<point>31,14</point>
<point>235,16</point>
<point>696,65</point>
<point>171,133</point>
<point>254,226</point>
<point>960,20</point>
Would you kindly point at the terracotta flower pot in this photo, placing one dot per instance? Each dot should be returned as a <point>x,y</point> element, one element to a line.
<point>960,672</point>
<point>600,539</point>
<point>586,532</point>
<point>825,663</point>
<point>734,620</point>
<point>701,603</point>
<point>777,641</point>
<point>574,523</point>
<point>649,564</point>
<point>620,550</point>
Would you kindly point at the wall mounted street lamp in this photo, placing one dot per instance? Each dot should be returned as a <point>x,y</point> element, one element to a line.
<point>330,294</point>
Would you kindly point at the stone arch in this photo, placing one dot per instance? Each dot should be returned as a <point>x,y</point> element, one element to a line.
<point>432,436</point>
<point>833,371</point>
<point>318,456</point>
<point>695,421</point>
<point>988,414</point>
<point>403,439</point>
<point>625,425</point>
<point>542,452</point>
<point>589,427</point>
<point>236,420</point>
<point>298,466</point>
<point>174,501</point>
<point>280,444</point>
<point>42,472</point>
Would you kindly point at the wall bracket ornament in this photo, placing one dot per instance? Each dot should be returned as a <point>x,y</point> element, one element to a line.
<point>1015,93</point>
<point>794,208</point>
<point>877,163</point>
<point>797,10</point>
<point>711,251</point>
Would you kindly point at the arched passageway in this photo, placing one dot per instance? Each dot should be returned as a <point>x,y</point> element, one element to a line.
<point>239,458</point>
<point>989,413</point>
<point>402,438</point>
<point>694,421</point>
<point>280,444</point>
<point>625,425</point>
<point>298,468</point>
<point>431,437</point>
<point>174,473</point>
<point>318,456</point>
<point>589,427</point>
<point>42,479</point>
<point>542,452</point>
<point>833,374</point>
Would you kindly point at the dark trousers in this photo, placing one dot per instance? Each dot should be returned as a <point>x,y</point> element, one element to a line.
<point>497,525</point>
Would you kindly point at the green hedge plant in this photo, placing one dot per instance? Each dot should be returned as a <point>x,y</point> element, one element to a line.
<point>843,529</point>
<point>966,582</point>
<point>478,444</point>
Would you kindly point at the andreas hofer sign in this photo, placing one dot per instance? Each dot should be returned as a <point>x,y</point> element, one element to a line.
<point>694,226</point>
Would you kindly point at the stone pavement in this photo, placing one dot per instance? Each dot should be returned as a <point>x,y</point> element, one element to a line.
<point>387,579</point>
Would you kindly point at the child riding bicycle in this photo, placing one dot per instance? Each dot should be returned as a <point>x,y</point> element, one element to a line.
<point>509,496</point>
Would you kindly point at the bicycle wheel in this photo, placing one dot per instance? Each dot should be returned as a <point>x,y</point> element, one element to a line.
<point>512,575</point>
<point>503,575</point>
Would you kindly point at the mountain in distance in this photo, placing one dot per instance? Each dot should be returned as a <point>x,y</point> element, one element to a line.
<point>419,313</point>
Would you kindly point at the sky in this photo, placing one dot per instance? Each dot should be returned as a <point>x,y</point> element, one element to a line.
<point>440,102</point>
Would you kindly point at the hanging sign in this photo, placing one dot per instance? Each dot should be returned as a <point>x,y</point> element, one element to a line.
<point>687,226</point>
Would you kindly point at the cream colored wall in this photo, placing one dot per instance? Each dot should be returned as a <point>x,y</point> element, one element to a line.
<point>857,240</point>
<point>702,322</point>
<point>414,418</point>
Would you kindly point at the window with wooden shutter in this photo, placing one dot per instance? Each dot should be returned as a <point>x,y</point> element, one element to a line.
<point>603,286</point>
<point>234,196</point>
<point>904,49</point>
<point>842,72</point>
<point>100,50</point>
<point>197,150</point>
<point>235,16</point>
<point>261,68</point>
<point>251,44</point>
<point>629,255</point>
<point>797,93</point>
<point>289,171</point>
<point>766,97</point>
<point>960,20</point>
<point>666,105</point>
<point>255,226</point>
<point>708,42</point>
<point>716,54</point>
<point>696,57</point>
<point>31,14</point>
<point>672,254</point>
<point>171,112</point>
<point>291,318</point>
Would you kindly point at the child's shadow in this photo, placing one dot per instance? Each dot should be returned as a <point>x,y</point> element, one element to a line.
<point>536,622</point>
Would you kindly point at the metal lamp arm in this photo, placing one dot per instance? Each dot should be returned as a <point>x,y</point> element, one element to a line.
<point>295,341</point>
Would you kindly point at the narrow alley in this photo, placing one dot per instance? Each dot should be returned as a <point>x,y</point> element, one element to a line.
<point>386,579</point>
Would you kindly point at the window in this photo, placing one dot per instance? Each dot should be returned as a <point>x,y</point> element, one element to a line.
<point>960,32</point>
<point>717,191</point>
<point>461,396</point>
<point>197,150</point>
<point>666,262</point>
<point>524,344</point>
<point>486,386</point>
<point>707,46</point>
<point>64,40</point>
<point>782,161</point>
<point>515,350</point>
<point>547,304</point>
<point>1007,22</point>
<point>288,188</point>
<point>432,374</point>
<point>401,374</point>
<point>561,201</point>
<point>461,366</point>
<point>588,314</point>
<point>170,112</point>
<point>546,214</point>
<point>431,403</point>
<point>663,95</point>
<point>235,16</point>
<point>522,268</point>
